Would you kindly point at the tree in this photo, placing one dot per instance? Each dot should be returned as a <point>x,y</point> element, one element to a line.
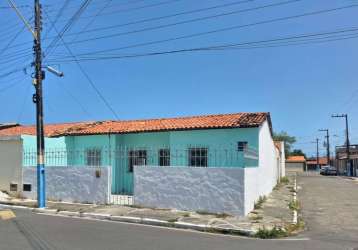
<point>287,139</point>
<point>298,152</point>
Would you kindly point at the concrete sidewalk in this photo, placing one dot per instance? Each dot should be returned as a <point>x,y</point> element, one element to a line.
<point>274,212</point>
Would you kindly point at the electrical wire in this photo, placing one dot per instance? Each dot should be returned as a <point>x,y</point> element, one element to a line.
<point>220,30</point>
<point>88,78</point>
<point>187,22</point>
<point>68,25</point>
<point>163,17</point>
<point>134,8</point>
<point>242,45</point>
<point>93,19</point>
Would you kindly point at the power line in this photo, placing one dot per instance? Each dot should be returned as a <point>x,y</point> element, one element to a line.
<point>86,75</point>
<point>69,93</point>
<point>22,108</point>
<point>68,25</point>
<point>135,8</point>
<point>186,22</point>
<point>11,86</point>
<point>249,45</point>
<point>17,70</point>
<point>149,19</point>
<point>93,19</point>
<point>220,30</point>
<point>163,17</point>
<point>59,13</point>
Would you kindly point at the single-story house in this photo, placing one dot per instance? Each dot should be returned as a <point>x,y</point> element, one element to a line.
<point>296,164</point>
<point>208,148</point>
<point>312,163</point>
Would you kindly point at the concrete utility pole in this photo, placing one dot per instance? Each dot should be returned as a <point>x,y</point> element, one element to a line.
<point>327,146</point>
<point>38,100</point>
<point>317,153</point>
<point>37,97</point>
<point>349,166</point>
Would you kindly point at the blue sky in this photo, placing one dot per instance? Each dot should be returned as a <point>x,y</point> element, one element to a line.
<point>300,85</point>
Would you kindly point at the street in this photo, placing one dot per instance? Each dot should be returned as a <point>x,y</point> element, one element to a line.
<point>327,201</point>
<point>330,209</point>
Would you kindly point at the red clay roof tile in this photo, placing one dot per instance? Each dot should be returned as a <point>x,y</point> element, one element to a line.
<point>168,124</point>
<point>237,120</point>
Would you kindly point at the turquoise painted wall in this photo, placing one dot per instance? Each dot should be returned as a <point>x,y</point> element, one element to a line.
<point>221,145</point>
<point>56,154</point>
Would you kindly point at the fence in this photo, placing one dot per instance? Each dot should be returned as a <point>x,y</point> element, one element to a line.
<point>196,156</point>
<point>122,159</point>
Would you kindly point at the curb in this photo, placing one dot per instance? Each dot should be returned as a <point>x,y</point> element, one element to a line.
<point>138,220</point>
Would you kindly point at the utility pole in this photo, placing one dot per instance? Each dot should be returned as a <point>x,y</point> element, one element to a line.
<point>349,166</point>
<point>37,97</point>
<point>327,146</point>
<point>317,152</point>
<point>38,100</point>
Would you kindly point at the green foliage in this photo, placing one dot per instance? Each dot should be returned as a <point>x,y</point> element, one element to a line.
<point>285,180</point>
<point>287,139</point>
<point>275,232</point>
<point>294,205</point>
<point>260,202</point>
<point>297,152</point>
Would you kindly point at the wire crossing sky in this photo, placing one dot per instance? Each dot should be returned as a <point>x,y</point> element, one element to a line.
<point>132,59</point>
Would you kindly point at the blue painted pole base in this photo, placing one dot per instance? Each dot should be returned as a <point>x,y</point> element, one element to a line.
<point>41,188</point>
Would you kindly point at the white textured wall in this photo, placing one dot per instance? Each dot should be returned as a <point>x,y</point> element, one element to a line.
<point>229,190</point>
<point>71,184</point>
<point>283,160</point>
<point>11,162</point>
<point>215,190</point>
<point>260,181</point>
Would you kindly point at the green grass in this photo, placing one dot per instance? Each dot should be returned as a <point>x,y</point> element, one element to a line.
<point>285,180</point>
<point>185,214</point>
<point>173,220</point>
<point>260,202</point>
<point>295,228</point>
<point>273,233</point>
<point>294,205</point>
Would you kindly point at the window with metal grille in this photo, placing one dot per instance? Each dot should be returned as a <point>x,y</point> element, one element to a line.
<point>26,187</point>
<point>136,158</point>
<point>164,157</point>
<point>241,146</point>
<point>198,157</point>
<point>93,157</point>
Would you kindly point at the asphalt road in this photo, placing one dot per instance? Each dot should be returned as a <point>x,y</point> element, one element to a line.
<point>35,231</point>
<point>330,209</point>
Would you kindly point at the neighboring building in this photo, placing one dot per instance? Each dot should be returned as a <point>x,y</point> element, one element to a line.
<point>280,145</point>
<point>230,145</point>
<point>341,157</point>
<point>312,163</point>
<point>295,164</point>
<point>7,125</point>
<point>11,163</point>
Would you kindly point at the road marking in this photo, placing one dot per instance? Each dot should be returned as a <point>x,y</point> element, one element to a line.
<point>7,215</point>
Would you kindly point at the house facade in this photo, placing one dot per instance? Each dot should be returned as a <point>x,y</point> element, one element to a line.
<point>241,141</point>
<point>296,164</point>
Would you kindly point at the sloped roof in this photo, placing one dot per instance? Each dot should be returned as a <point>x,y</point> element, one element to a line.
<point>321,161</point>
<point>50,129</point>
<point>237,120</point>
<point>7,125</point>
<point>296,158</point>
